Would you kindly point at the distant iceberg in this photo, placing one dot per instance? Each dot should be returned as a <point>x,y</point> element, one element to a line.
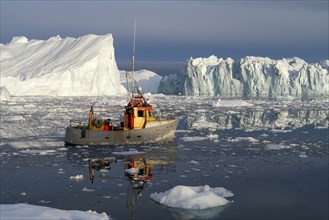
<point>248,77</point>
<point>146,79</point>
<point>4,94</point>
<point>83,66</point>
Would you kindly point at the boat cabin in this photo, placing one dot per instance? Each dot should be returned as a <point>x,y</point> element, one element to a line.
<point>138,112</point>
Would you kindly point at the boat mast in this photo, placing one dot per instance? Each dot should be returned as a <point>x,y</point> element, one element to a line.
<point>133,62</point>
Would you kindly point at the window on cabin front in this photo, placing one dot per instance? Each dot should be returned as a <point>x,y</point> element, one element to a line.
<point>140,113</point>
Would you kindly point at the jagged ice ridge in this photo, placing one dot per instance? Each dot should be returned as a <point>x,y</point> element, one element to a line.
<point>248,77</point>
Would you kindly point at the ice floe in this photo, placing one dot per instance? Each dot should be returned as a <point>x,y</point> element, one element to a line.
<point>232,103</point>
<point>77,177</point>
<point>26,211</point>
<point>193,197</point>
<point>276,147</point>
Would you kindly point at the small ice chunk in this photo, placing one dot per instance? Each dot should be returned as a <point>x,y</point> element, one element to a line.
<point>193,197</point>
<point>85,189</point>
<point>77,177</point>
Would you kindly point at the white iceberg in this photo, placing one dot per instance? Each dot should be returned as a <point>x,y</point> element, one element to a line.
<point>83,66</point>
<point>193,197</point>
<point>249,77</point>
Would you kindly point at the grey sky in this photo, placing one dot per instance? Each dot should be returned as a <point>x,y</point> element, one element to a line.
<point>177,30</point>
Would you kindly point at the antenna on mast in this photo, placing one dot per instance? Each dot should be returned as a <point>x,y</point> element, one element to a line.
<point>133,62</point>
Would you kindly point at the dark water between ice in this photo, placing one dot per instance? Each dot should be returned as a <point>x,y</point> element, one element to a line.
<point>273,155</point>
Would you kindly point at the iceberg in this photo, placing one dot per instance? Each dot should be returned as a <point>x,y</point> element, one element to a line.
<point>83,66</point>
<point>4,94</point>
<point>148,80</point>
<point>249,77</point>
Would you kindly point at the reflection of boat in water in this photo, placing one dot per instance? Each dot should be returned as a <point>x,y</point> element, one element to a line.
<point>139,126</point>
<point>139,170</point>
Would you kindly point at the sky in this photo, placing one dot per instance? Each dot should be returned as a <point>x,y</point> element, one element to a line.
<point>177,30</point>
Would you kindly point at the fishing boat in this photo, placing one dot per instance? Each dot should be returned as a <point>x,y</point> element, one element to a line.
<point>139,125</point>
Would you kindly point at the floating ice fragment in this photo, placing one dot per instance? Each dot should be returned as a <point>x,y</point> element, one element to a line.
<point>212,136</point>
<point>85,189</point>
<point>77,177</point>
<point>280,131</point>
<point>193,197</point>
<point>128,152</point>
<point>40,152</point>
<point>276,147</point>
<point>44,202</point>
<point>195,169</point>
<point>232,103</point>
<point>60,171</point>
<point>188,139</point>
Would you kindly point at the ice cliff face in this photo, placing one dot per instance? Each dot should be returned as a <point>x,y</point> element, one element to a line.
<point>60,67</point>
<point>250,76</point>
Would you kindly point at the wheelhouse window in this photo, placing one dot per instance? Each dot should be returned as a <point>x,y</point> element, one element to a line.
<point>140,113</point>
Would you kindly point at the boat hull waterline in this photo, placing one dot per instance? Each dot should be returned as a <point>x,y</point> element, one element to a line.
<point>156,132</point>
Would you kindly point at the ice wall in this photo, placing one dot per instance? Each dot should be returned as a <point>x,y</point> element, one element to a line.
<point>249,77</point>
<point>83,66</point>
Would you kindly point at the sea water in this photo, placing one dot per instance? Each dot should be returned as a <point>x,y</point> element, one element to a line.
<point>272,154</point>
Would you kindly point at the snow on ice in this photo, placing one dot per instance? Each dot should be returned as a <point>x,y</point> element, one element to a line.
<point>249,77</point>
<point>193,197</point>
<point>82,66</point>
<point>26,211</point>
